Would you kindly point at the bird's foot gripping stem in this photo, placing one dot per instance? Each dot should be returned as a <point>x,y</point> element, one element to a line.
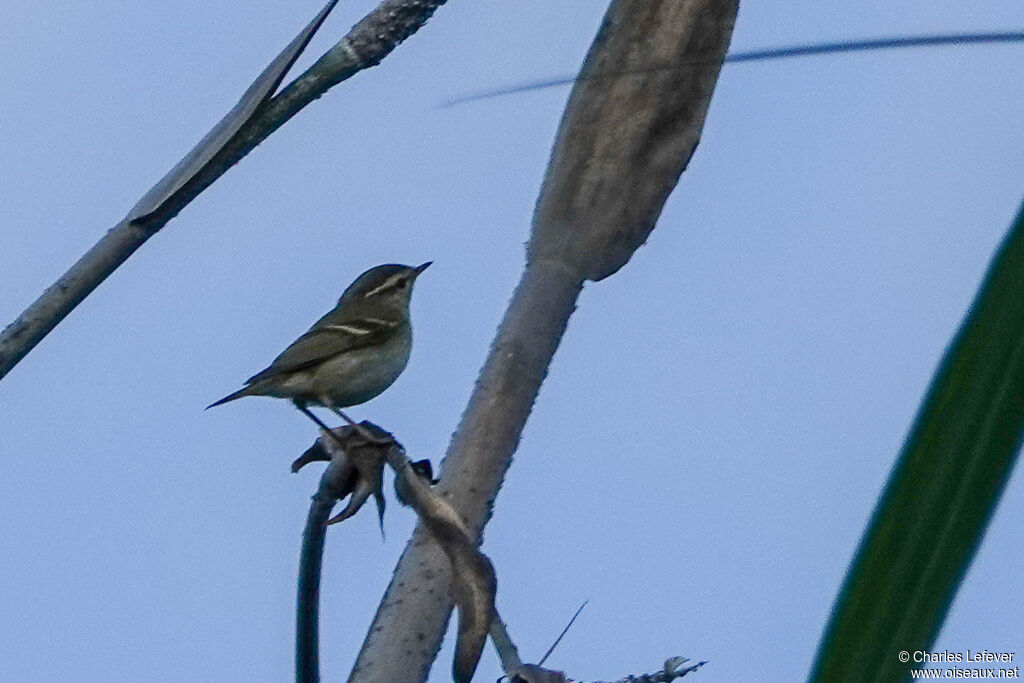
<point>376,439</point>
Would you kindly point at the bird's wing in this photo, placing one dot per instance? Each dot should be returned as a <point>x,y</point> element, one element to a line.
<point>326,339</point>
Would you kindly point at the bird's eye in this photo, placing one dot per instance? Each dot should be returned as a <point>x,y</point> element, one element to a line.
<point>403,283</point>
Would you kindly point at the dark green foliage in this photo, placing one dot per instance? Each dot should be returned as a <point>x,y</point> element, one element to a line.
<point>941,493</point>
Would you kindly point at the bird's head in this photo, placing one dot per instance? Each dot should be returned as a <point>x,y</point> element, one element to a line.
<point>389,283</point>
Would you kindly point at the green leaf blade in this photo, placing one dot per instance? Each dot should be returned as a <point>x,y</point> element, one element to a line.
<point>941,494</point>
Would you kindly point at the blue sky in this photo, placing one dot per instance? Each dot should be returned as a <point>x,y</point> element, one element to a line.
<point>718,420</point>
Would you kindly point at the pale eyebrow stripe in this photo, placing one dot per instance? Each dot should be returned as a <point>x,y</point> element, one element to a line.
<point>388,284</point>
<point>378,321</point>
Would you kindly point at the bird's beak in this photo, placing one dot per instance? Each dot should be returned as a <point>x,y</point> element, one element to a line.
<point>420,269</point>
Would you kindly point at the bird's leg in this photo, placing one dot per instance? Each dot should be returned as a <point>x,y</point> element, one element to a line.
<point>363,431</point>
<point>342,415</point>
<point>320,423</point>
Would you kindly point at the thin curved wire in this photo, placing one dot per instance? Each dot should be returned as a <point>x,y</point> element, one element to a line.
<point>805,50</point>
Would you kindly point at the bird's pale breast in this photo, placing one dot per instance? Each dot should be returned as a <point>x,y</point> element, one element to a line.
<point>359,375</point>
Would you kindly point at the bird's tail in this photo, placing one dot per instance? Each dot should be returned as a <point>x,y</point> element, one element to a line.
<point>245,391</point>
